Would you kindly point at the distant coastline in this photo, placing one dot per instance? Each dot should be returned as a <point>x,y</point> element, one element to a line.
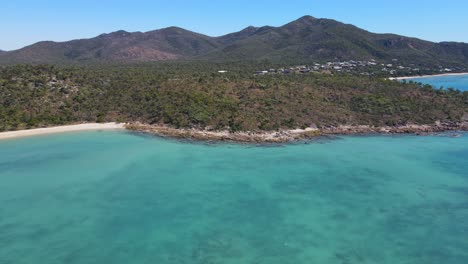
<point>428,76</point>
<point>60,129</point>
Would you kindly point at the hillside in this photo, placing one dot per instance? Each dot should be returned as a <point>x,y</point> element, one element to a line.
<point>121,46</point>
<point>304,40</point>
<point>190,96</point>
<point>232,38</point>
<point>309,39</point>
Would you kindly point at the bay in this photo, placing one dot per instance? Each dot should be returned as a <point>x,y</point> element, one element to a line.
<point>120,197</point>
<point>459,82</point>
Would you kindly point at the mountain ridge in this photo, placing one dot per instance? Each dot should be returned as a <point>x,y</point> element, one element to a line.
<point>305,39</point>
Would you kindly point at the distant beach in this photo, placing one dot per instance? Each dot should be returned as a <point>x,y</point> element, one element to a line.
<point>427,76</point>
<point>60,129</point>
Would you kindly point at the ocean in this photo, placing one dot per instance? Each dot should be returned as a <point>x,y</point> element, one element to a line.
<point>459,82</point>
<point>120,197</point>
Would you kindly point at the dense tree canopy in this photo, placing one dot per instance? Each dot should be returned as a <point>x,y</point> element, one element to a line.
<point>196,95</point>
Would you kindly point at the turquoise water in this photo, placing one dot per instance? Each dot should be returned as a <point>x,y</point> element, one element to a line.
<point>116,197</point>
<point>459,82</point>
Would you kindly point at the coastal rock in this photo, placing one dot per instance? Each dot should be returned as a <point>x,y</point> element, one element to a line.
<point>465,118</point>
<point>295,134</point>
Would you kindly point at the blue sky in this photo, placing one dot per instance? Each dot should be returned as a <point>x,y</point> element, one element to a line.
<point>23,22</point>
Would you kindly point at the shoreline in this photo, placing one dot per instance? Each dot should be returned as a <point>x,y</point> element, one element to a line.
<point>60,129</point>
<point>284,136</point>
<point>281,136</point>
<point>428,76</point>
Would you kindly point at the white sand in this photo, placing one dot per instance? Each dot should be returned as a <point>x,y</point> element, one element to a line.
<point>425,76</point>
<point>60,129</point>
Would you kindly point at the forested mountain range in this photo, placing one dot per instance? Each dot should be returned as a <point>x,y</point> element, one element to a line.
<point>307,39</point>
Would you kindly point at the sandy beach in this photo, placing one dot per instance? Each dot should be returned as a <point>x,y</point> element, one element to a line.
<point>426,76</point>
<point>60,129</point>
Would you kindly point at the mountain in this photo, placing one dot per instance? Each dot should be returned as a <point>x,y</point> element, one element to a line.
<point>306,39</point>
<point>309,38</point>
<point>121,46</point>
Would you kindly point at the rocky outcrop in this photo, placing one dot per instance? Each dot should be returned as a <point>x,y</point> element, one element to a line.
<point>437,127</point>
<point>294,135</point>
<point>259,137</point>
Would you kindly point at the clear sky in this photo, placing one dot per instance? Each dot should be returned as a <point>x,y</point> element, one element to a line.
<point>24,22</point>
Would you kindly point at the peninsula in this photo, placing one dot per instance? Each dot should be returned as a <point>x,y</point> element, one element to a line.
<point>320,77</point>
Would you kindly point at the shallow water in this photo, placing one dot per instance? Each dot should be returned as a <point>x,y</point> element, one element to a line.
<point>459,82</point>
<point>117,197</point>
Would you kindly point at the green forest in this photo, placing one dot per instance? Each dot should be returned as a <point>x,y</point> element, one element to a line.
<point>194,94</point>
